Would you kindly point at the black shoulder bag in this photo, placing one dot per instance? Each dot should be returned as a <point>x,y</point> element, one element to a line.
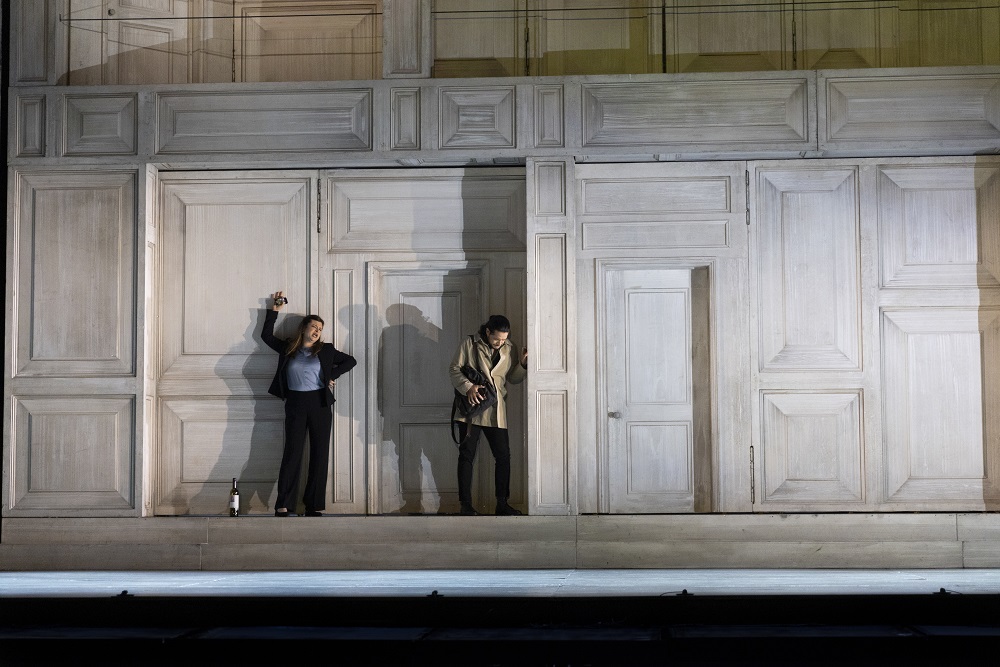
<point>461,404</point>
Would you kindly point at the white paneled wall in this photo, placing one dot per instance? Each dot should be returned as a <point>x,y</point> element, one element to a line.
<point>71,427</point>
<point>813,314</point>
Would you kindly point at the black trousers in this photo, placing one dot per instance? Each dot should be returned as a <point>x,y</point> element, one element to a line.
<point>305,413</point>
<point>468,434</point>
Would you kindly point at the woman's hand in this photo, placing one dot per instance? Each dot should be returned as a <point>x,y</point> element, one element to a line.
<point>278,301</point>
<point>333,383</point>
<point>475,398</point>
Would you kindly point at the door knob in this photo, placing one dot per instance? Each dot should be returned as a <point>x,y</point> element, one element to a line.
<point>615,415</point>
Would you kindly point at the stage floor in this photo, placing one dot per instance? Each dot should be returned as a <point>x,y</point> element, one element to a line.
<point>517,618</point>
<point>505,583</point>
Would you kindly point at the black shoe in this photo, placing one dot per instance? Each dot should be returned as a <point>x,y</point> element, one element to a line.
<point>285,513</point>
<point>468,510</point>
<point>503,509</point>
<point>313,513</point>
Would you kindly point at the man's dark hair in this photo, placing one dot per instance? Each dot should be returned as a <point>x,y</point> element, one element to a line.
<point>497,323</point>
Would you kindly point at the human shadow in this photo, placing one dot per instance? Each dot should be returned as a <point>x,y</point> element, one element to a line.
<point>251,442</point>
<point>411,351</point>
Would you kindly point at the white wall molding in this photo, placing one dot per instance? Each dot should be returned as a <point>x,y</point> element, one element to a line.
<point>502,121</point>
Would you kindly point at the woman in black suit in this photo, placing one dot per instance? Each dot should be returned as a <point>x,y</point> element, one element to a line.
<point>307,370</point>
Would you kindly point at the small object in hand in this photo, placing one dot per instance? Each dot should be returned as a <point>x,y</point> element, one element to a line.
<point>280,301</point>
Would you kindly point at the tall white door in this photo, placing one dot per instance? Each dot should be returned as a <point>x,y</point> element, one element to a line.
<point>655,357</point>
<point>225,242</point>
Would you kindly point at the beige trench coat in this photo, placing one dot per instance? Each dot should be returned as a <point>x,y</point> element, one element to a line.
<point>474,351</point>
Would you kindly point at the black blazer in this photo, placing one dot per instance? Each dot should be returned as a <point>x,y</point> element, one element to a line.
<point>332,362</point>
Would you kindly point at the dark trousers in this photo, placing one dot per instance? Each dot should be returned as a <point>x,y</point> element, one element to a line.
<point>468,434</point>
<point>305,412</point>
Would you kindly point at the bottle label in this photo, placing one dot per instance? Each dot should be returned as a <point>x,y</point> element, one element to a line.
<point>234,502</point>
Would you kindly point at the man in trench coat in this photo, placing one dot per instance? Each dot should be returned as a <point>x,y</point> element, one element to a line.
<point>493,355</point>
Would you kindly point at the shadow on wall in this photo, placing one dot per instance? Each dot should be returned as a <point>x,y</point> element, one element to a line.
<point>411,351</point>
<point>250,441</point>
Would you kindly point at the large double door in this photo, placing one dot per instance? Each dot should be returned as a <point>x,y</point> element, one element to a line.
<point>400,265</point>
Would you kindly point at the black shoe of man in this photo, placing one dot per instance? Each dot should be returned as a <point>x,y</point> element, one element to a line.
<point>468,510</point>
<point>503,509</point>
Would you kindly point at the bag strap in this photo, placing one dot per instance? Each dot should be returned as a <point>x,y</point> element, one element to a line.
<point>487,375</point>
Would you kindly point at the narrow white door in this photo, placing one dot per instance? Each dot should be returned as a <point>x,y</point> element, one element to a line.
<point>655,365</point>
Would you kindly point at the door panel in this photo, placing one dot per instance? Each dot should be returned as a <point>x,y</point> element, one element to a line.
<point>660,331</point>
<point>427,310</point>
<point>226,242</point>
<point>651,364</point>
<point>147,42</point>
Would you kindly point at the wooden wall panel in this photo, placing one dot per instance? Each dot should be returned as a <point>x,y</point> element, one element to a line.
<point>146,42</point>
<point>433,211</point>
<point>550,310</point>
<point>30,122</point>
<point>100,125</point>
<point>551,339</point>
<point>471,43</point>
<point>347,460</point>
<point>807,259</point>
<point>550,188</point>
<point>142,53</point>
<point>249,123</point>
<point>937,258</point>
<point>812,449</point>
<point>74,262</point>
<point>763,111</point>
<point>813,343</point>
<point>942,32</point>
<point>939,225</point>
<point>405,119</point>
<point>849,35</point>
<point>552,466</point>
<point>224,232</point>
<point>592,37</point>
<point>721,41</point>
<point>31,43</point>
<point>308,40</point>
<point>477,117</point>
<point>205,442</point>
<point>939,434</point>
<point>647,211</point>
<point>549,116</point>
<point>72,453</point>
<point>407,43</point>
<point>901,110</point>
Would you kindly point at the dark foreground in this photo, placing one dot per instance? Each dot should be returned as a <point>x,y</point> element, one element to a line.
<point>678,629</point>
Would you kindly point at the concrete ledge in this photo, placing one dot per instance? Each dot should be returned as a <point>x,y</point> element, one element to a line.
<point>887,541</point>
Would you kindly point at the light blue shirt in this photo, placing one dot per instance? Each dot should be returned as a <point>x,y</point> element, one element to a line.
<point>304,371</point>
